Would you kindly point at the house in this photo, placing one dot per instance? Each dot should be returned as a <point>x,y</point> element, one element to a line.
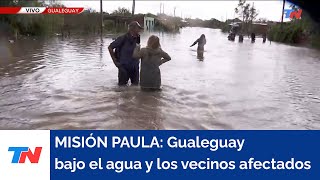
<point>149,23</point>
<point>145,21</point>
<point>257,28</point>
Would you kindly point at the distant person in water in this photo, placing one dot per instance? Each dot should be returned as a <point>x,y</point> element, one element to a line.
<point>151,57</point>
<point>264,37</point>
<point>232,36</point>
<point>253,37</point>
<point>201,42</point>
<point>240,38</point>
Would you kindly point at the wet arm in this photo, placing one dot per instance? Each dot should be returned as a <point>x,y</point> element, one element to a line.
<point>115,44</point>
<point>195,43</point>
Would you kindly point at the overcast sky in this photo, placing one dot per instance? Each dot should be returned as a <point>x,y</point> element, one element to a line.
<point>220,10</point>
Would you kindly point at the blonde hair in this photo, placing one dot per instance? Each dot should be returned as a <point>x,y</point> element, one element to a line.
<point>153,42</point>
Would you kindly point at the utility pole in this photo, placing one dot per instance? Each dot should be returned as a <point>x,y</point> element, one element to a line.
<point>163,9</point>
<point>284,2</point>
<point>101,17</point>
<point>174,11</point>
<point>133,7</point>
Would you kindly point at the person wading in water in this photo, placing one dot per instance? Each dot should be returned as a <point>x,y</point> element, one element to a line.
<point>128,67</point>
<point>264,37</point>
<point>152,57</point>
<point>240,38</point>
<point>253,37</point>
<point>201,42</point>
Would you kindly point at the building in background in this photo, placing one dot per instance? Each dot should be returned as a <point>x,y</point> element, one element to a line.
<point>121,22</point>
<point>149,23</point>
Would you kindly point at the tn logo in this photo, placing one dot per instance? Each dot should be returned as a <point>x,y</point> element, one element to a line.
<point>21,153</point>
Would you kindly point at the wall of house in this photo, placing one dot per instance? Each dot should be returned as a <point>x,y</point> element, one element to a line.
<point>260,28</point>
<point>149,23</point>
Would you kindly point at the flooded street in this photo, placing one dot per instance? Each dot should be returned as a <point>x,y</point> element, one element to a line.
<point>72,84</point>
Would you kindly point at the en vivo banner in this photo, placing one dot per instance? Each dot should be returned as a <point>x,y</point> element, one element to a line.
<point>101,155</point>
<point>40,10</point>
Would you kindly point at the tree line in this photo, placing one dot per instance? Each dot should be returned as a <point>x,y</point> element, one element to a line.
<point>87,22</point>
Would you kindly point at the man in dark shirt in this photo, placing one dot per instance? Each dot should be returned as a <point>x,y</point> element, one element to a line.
<point>122,58</point>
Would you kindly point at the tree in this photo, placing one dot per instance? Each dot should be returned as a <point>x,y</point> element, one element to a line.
<point>89,10</point>
<point>247,12</point>
<point>4,3</point>
<point>262,20</point>
<point>240,9</point>
<point>121,12</point>
<point>253,13</point>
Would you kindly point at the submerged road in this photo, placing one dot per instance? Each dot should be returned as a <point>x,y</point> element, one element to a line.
<point>72,84</point>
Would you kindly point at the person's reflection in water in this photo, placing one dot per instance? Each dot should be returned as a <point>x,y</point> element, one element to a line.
<point>200,50</point>
<point>101,51</point>
<point>139,109</point>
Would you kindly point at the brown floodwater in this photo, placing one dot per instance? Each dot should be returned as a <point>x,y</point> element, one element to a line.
<point>71,83</point>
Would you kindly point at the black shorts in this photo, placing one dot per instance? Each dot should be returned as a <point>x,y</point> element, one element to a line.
<point>127,72</point>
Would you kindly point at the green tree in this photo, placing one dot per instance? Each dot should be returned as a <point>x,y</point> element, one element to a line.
<point>30,24</point>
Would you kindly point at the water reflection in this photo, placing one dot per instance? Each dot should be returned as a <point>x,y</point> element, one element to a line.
<point>30,60</point>
<point>139,109</point>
